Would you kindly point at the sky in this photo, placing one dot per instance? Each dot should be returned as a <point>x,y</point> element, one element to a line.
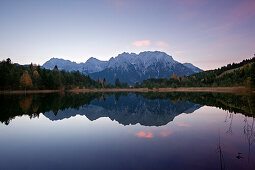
<point>207,33</point>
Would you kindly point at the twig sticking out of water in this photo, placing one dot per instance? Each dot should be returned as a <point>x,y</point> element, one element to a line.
<point>219,148</point>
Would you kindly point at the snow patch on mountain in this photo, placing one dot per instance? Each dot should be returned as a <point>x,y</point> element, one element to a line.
<point>128,67</point>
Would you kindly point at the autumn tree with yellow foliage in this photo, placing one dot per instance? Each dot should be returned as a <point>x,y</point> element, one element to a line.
<point>25,80</point>
<point>175,76</point>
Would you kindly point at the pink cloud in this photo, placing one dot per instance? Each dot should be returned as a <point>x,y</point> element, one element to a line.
<point>143,134</point>
<point>179,52</point>
<point>142,43</point>
<point>165,133</point>
<point>161,44</point>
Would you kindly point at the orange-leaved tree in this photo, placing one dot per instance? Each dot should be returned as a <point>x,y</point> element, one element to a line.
<point>25,80</point>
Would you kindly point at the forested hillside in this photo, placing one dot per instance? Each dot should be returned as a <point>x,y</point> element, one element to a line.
<point>18,77</point>
<point>236,74</point>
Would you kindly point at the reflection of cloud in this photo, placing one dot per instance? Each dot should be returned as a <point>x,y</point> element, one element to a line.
<point>165,133</point>
<point>142,134</point>
<point>161,44</point>
<point>141,43</point>
<point>179,52</point>
<point>182,125</point>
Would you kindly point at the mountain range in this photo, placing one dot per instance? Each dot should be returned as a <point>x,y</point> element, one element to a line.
<point>128,67</point>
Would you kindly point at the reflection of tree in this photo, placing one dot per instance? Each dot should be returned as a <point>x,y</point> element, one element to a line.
<point>226,118</point>
<point>35,108</point>
<point>221,158</point>
<point>249,134</point>
<point>32,105</point>
<point>33,115</point>
<point>248,128</point>
<point>249,131</point>
<point>13,105</point>
<point>229,131</point>
<point>101,97</point>
<point>25,103</point>
<point>226,101</point>
<point>175,101</point>
<point>117,96</point>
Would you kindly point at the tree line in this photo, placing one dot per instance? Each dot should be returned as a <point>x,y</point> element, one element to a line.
<point>19,77</point>
<point>236,74</point>
<point>33,77</point>
<point>35,104</point>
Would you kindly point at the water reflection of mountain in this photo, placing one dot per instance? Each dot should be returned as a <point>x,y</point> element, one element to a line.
<point>130,109</point>
<point>144,108</point>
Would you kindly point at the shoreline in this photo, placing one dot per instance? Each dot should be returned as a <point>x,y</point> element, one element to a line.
<point>29,91</point>
<point>240,89</point>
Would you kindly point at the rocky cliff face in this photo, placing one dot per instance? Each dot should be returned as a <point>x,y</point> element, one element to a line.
<point>128,67</point>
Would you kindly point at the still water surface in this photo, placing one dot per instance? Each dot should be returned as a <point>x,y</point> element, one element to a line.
<point>127,131</point>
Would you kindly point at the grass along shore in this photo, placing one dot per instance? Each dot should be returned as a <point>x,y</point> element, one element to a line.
<point>239,89</point>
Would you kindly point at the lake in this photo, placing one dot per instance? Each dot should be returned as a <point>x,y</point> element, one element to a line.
<point>127,131</point>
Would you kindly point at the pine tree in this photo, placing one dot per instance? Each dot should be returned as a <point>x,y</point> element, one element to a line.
<point>104,83</point>
<point>253,75</point>
<point>117,82</point>
<point>8,61</point>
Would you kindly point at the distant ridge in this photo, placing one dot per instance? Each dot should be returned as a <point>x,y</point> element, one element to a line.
<point>128,67</point>
<point>194,68</point>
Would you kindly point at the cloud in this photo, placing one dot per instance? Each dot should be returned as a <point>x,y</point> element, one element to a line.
<point>179,52</point>
<point>142,134</point>
<point>161,44</point>
<point>165,133</point>
<point>141,43</point>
